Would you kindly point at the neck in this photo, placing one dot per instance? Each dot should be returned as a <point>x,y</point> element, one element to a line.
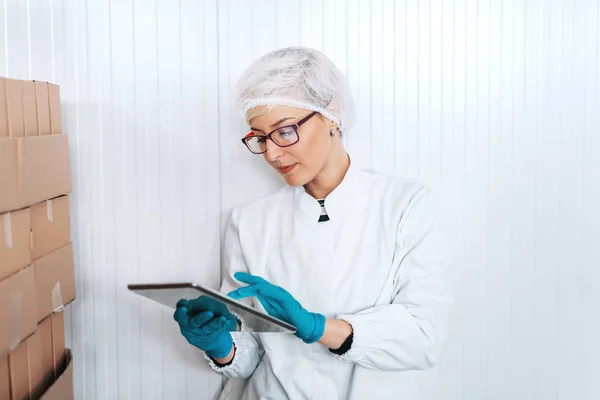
<point>330,176</point>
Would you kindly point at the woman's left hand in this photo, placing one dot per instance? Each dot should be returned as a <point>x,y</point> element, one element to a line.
<point>281,304</point>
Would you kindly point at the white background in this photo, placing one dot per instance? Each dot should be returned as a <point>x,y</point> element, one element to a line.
<point>494,103</point>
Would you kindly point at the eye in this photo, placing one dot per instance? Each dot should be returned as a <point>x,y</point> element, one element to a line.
<point>286,133</point>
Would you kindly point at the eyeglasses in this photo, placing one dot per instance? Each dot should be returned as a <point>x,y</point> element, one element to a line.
<point>284,136</point>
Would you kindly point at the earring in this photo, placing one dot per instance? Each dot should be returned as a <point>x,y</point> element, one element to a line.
<point>332,132</point>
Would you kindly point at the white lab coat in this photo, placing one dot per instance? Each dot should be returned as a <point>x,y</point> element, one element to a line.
<point>378,264</point>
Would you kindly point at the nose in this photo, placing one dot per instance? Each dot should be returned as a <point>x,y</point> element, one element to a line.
<point>273,151</point>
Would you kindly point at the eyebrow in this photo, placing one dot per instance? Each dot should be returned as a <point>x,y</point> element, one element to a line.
<point>274,125</point>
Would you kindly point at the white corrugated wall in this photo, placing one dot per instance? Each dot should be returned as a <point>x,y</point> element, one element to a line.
<point>493,102</point>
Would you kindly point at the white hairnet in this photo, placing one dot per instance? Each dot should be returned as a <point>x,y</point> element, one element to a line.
<point>298,77</point>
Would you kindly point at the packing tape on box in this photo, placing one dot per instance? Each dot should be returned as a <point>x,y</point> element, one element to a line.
<point>8,240</point>
<point>57,301</point>
<point>15,307</point>
<point>49,211</point>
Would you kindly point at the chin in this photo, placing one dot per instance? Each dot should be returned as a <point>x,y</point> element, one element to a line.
<point>298,179</point>
<point>294,181</point>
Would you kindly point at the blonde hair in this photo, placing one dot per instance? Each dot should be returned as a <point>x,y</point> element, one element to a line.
<point>258,111</point>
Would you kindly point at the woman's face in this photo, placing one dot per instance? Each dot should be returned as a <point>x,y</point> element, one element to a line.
<point>301,162</point>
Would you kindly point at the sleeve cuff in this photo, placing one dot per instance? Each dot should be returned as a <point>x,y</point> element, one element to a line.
<point>352,353</point>
<point>347,345</point>
<point>222,367</point>
<point>241,345</point>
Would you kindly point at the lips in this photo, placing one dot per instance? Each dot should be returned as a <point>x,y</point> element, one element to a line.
<point>287,169</point>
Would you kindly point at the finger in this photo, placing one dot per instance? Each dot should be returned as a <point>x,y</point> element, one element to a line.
<point>264,287</point>
<point>273,306</point>
<point>267,305</point>
<point>248,278</point>
<point>246,291</point>
<point>181,316</point>
<point>199,320</point>
<point>214,325</point>
<point>182,303</point>
<point>267,291</point>
<point>274,293</point>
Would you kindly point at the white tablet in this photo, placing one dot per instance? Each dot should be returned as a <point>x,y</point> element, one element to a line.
<point>169,294</point>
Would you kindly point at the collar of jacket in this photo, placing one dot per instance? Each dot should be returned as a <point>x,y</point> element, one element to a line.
<point>338,203</point>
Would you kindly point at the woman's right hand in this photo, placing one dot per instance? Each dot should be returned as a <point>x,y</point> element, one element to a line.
<point>205,327</point>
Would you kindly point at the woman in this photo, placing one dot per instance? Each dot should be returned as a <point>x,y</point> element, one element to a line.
<point>349,257</point>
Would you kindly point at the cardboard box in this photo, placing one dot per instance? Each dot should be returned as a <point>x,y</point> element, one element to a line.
<point>58,341</point>
<point>14,105</point>
<point>52,337</point>
<point>62,389</point>
<point>29,108</point>
<point>47,360</point>
<point>33,169</point>
<point>4,378</point>
<point>34,363</point>
<point>9,174</point>
<point>14,242</point>
<point>50,226</point>
<point>55,113</point>
<point>55,281</point>
<point>3,115</point>
<point>19,372</point>
<point>25,370</point>
<point>18,309</point>
<point>43,107</point>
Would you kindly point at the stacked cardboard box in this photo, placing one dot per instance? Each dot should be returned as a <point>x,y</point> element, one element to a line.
<point>36,255</point>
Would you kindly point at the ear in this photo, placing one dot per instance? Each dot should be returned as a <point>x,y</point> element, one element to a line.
<point>332,126</point>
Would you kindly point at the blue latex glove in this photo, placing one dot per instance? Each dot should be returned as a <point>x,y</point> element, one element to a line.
<point>206,323</point>
<point>280,304</point>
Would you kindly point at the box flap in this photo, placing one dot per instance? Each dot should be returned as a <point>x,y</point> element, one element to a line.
<point>58,340</point>
<point>19,372</point>
<point>45,330</point>
<point>62,389</point>
<point>9,174</point>
<point>55,280</point>
<point>4,378</point>
<point>34,362</point>
<point>46,168</point>
<point>33,169</point>
<point>18,308</point>
<point>15,246</point>
<point>29,109</point>
<point>50,226</point>
<point>55,113</point>
<point>14,103</point>
<point>43,107</point>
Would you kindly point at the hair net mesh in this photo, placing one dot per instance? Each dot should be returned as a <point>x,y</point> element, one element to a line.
<point>298,77</point>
